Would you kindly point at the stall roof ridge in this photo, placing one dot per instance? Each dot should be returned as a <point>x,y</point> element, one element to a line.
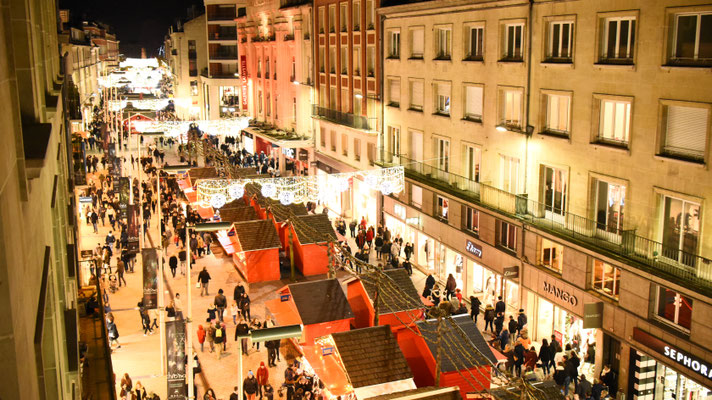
<point>320,301</point>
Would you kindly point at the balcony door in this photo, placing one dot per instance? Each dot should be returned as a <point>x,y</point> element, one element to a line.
<point>442,147</point>
<point>394,143</point>
<point>416,150</point>
<point>681,230</point>
<point>610,199</point>
<point>554,186</point>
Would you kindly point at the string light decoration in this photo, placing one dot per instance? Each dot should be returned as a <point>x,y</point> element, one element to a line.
<point>223,127</point>
<point>143,104</point>
<point>298,189</point>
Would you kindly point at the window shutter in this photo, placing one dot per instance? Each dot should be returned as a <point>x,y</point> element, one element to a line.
<point>686,131</point>
<point>418,41</point>
<point>474,101</point>
<point>443,89</point>
<point>394,90</point>
<point>417,93</point>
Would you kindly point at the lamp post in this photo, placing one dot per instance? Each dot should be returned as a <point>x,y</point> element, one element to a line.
<point>264,335</point>
<point>206,227</point>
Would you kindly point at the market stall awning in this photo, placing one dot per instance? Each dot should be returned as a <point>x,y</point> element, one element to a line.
<point>191,195</point>
<point>328,369</point>
<point>228,242</point>
<point>183,183</point>
<point>206,212</point>
<point>284,312</point>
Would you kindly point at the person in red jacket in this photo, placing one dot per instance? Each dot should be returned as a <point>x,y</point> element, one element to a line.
<point>201,336</point>
<point>262,377</point>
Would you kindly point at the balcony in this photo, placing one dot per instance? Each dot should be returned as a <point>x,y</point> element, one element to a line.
<point>221,16</point>
<point>223,36</point>
<point>224,55</point>
<point>684,268</point>
<point>342,118</point>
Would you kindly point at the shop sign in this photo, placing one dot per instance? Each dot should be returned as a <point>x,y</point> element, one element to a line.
<point>303,155</point>
<point>593,315</point>
<point>560,293</point>
<point>511,272</point>
<point>85,199</point>
<point>473,248</point>
<point>86,253</point>
<point>325,351</point>
<point>413,221</point>
<point>399,210</point>
<point>284,297</point>
<point>288,152</point>
<point>243,79</point>
<point>681,358</point>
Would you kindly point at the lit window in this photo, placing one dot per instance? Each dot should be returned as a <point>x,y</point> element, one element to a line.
<point>551,255</point>
<point>681,230</point>
<point>443,43</point>
<point>399,211</point>
<point>471,218</point>
<point>416,196</point>
<point>606,278</point>
<point>472,162</point>
<point>443,210</point>
<point>511,108</point>
<point>416,94</point>
<point>506,235</point>
<point>394,44</point>
<point>417,42</point>
<point>442,98</point>
<point>558,111</point>
<point>614,123</point>
<point>473,103</point>
<point>685,131</point>
<point>674,308</point>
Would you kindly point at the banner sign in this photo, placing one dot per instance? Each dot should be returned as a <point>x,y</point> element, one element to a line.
<point>473,248</point>
<point>132,228</point>
<point>593,315</point>
<point>124,189</point>
<point>175,360</point>
<point>243,78</point>
<point>150,278</point>
<point>116,165</point>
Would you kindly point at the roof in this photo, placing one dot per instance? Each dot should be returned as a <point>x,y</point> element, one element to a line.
<point>238,214</point>
<point>371,356</point>
<point>314,228</point>
<point>320,301</point>
<point>202,173</point>
<point>550,390</point>
<point>237,203</point>
<point>453,338</point>
<point>282,212</point>
<point>257,235</point>
<point>391,304</point>
<point>245,172</point>
<point>424,393</point>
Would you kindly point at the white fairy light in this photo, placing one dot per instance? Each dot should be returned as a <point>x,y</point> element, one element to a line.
<point>236,191</point>
<point>286,198</point>
<point>218,200</point>
<point>269,190</point>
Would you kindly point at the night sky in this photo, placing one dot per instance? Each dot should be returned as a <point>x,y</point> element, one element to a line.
<point>137,23</point>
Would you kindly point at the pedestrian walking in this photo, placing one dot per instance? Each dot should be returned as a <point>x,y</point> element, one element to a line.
<point>234,309</point>
<point>221,304</point>
<point>262,377</point>
<point>219,338</point>
<point>120,268</point>
<point>450,286</point>
<point>204,278</point>
<point>201,337</point>
<point>250,386</point>
<point>475,304</point>
<point>178,304</point>
<point>173,264</point>
<point>489,317</point>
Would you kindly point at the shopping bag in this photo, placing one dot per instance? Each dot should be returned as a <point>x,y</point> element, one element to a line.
<point>197,285</point>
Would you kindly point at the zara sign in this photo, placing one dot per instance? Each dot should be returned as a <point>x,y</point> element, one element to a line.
<point>473,248</point>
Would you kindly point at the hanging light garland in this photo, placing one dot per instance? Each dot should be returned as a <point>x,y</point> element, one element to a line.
<point>222,127</point>
<point>298,189</point>
<point>143,104</point>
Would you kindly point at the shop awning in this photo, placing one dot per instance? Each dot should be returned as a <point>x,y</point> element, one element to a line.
<point>284,312</point>
<point>228,242</point>
<point>328,369</point>
<point>206,212</point>
<point>191,195</point>
<point>183,184</point>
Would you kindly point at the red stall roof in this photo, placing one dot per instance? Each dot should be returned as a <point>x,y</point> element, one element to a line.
<point>454,339</point>
<point>320,301</point>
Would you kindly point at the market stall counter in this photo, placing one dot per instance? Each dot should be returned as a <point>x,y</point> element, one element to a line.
<point>236,214</point>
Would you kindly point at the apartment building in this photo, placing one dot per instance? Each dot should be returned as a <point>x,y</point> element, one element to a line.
<point>557,154</point>
<point>186,53</point>
<point>220,81</point>
<point>100,35</point>
<point>347,68</point>
<point>276,53</point>
<point>38,294</point>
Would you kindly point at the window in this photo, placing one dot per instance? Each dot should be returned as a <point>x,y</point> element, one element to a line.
<point>443,42</point>
<point>394,140</point>
<point>681,229</point>
<point>259,68</point>
<point>510,173</point>
<point>193,88</point>
<point>618,40</point>
<point>322,96</point>
<point>357,102</point>
<point>343,16</point>
<point>416,94</point>
<point>442,98</point>
<point>417,42</point>
<point>267,68</point>
<point>322,61</point>
<point>322,137</point>
<point>332,18</point>
<point>345,96</point>
<point>614,123</point>
<point>321,21</point>
<point>294,71</point>
<point>692,42</point>
<point>473,102</point>
<point>474,43</point>
<point>259,102</point>
<point>506,235</point>
<point>357,60</point>
<point>333,140</point>
<point>609,199</point>
<point>294,109</point>
<point>561,42</point>
<point>672,307</point>
<point>472,162</point>
<point>345,144</point>
<point>443,208</point>
<point>554,187</point>
<point>394,44</point>
<point>557,118</point>
<point>511,108</point>
<point>357,15</point>
<point>371,61</point>
<point>394,92</point>
<point>268,106</point>
<point>606,278</point>
<point>332,59</point>
<point>551,255</point>
<point>443,154</point>
<point>471,219</point>
<point>371,153</point>
<point>416,196</point>
<point>357,149</point>
<point>344,60</point>
<point>513,42</point>
<point>332,98</point>
<point>369,14</point>
<point>685,130</point>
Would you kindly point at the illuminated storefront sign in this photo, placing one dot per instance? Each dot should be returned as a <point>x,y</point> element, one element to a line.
<point>473,248</point>
<point>679,357</point>
<point>560,293</point>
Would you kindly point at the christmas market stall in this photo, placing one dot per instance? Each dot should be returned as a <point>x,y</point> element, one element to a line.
<point>400,304</point>
<point>309,237</point>
<point>424,393</point>
<point>235,214</point>
<point>359,364</point>
<point>189,188</point>
<point>548,390</point>
<point>320,306</point>
<point>256,252</point>
<point>466,358</point>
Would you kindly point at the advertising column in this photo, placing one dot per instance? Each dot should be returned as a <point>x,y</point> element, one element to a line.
<point>175,360</point>
<point>150,278</point>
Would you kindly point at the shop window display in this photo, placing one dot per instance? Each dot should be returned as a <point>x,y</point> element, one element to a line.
<point>674,385</point>
<point>674,308</point>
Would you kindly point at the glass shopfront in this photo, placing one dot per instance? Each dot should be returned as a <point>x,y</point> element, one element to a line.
<point>450,262</point>
<point>488,286</point>
<point>365,203</point>
<point>673,385</point>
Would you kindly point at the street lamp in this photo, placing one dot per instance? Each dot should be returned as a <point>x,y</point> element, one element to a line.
<point>265,335</point>
<point>205,227</point>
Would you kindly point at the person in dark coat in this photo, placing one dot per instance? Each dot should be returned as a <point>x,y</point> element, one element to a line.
<point>545,356</point>
<point>610,379</point>
<point>450,286</point>
<point>429,283</point>
<point>499,323</point>
<point>512,325</point>
<point>521,320</point>
<point>249,386</point>
<point>584,387</point>
<point>237,293</point>
<point>518,359</point>
<point>173,264</point>
<point>500,307</point>
<point>475,304</point>
<point>489,317</point>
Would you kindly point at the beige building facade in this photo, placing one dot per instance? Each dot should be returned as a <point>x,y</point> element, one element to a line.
<point>38,293</point>
<point>186,52</point>
<point>557,154</point>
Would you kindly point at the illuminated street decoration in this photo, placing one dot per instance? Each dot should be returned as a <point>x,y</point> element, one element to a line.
<point>145,104</point>
<point>298,189</point>
<point>222,127</point>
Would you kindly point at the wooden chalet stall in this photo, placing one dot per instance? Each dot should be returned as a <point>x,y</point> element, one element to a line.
<point>189,188</point>
<point>311,254</point>
<point>320,306</point>
<point>362,363</point>
<point>424,393</point>
<point>466,359</point>
<point>256,252</point>
<point>397,311</point>
<point>548,390</point>
<point>235,214</point>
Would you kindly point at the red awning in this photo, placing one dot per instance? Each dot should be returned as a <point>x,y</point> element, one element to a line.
<point>228,243</point>
<point>183,183</point>
<point>284,312</point>
<point>328,368</point>
<point>192,196</point>
<point>206,212</point>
